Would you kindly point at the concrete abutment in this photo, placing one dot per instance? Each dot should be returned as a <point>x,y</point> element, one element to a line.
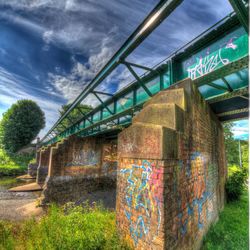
<point>171,171</point>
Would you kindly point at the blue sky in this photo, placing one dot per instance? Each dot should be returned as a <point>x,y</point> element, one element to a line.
<point>50,49</point>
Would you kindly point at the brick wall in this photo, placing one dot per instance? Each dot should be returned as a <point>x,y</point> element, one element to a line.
<point>80,165</point>
<point>168,195</point>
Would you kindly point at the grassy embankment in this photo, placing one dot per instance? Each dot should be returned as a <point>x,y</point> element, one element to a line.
<point>79,228</point>
<point>231,231</point>
<point>11,165</point>
<point>95,229</point>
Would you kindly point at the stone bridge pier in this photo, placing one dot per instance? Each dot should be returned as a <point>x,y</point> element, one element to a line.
<point>171,171</point>
<point>43,164</point>
<point>77,166</point>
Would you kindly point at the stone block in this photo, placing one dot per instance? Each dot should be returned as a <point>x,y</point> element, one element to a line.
<point>146,141</point>
<point>168,115</point>
<point>173,96</point>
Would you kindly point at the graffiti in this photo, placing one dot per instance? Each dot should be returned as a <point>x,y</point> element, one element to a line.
<point>142,199</point>
<point>110,152</point>
<point>210,62</point>
<point>204,180</point>
<point>85,158</point>
<point>109,160</point>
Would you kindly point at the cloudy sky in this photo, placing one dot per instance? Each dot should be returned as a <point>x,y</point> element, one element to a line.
<point>50,49</point>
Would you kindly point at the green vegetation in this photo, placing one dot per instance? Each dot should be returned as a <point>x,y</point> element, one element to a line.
<point>232,147</point>
<point>20,125</point>
<point>73,228</point>
<point>13,164</point>
<point>236,182</point>
<point>231,231</point>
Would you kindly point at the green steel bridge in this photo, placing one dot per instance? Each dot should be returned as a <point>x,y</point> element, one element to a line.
<point>221,76</point>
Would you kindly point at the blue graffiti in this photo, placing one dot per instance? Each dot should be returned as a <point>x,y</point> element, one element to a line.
<point>198,202</point>
<point>139,197</point>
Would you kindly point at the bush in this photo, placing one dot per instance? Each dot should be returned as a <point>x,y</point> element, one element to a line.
<point>20,125</point>
<point>11,164</point>
<point>236,182</point>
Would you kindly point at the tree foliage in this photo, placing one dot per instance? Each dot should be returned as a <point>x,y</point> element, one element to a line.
<point>231,145</point>
<point>236,182</point>
<point>20,125</point>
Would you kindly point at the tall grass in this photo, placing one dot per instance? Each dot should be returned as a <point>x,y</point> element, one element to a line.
<point>77,228</point>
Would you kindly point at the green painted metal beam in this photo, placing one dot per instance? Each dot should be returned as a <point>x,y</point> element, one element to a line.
<point>228,56</point>
<point>242,12</point>
<point>163,9</point>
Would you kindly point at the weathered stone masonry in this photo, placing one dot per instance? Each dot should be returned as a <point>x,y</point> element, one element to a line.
<point>78,166</point>
<point>42,169</point>
<point>171,171</point>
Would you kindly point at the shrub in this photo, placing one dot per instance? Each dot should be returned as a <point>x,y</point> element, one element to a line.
<point>12,164</point>
<point>236,182</point>
<point>20,125</point>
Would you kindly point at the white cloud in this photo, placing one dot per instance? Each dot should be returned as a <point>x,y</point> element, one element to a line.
<point>72,85</point>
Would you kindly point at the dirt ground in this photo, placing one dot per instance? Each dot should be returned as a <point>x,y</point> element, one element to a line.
<point>19,209</point>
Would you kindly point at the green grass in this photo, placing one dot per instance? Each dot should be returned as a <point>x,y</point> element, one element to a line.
<point>95,228</point>
<point>231,231</point>
<point>11,165</point>
<point>78,228</point>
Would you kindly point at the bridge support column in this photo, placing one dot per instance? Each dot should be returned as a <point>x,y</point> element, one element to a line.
<point>32,168</point>
<point>171,173</point>
<point>78,166</point>
<point>42,170</point>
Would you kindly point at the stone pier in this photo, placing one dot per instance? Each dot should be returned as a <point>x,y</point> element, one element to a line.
<point>78,166</point>
<point>171,171</point>
<point>42,170</point>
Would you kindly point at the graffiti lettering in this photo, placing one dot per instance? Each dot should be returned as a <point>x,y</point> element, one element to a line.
<point>210,62</point>
<point>85,158</point>
<point>143,203</point>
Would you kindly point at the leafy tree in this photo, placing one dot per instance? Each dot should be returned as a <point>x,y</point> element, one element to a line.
<point>231,145</point>
<point>245,153</point>
<point>74,115</point>
<point>20,125</point>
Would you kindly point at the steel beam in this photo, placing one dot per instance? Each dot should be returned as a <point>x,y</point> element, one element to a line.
<point>137,66</point>
<point>241,11</point>
<point>230,95</point>
<point>102,93</point>
<point>141,83</point>
<point>217,86</point>
<point>233,112</point>
<point>163,9</point>
<point>102,103</point>
<point>227,84</point>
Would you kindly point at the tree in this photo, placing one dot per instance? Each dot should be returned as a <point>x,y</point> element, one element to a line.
<point>21,124</point>
<point>231,145</point>
<point>74,115</point>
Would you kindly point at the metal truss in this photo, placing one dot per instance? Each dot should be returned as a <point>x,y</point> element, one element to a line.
<point>119,108</point>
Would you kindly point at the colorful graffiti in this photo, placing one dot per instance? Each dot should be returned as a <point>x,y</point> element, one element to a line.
<point>143,197</point>
<point>203,179</point>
